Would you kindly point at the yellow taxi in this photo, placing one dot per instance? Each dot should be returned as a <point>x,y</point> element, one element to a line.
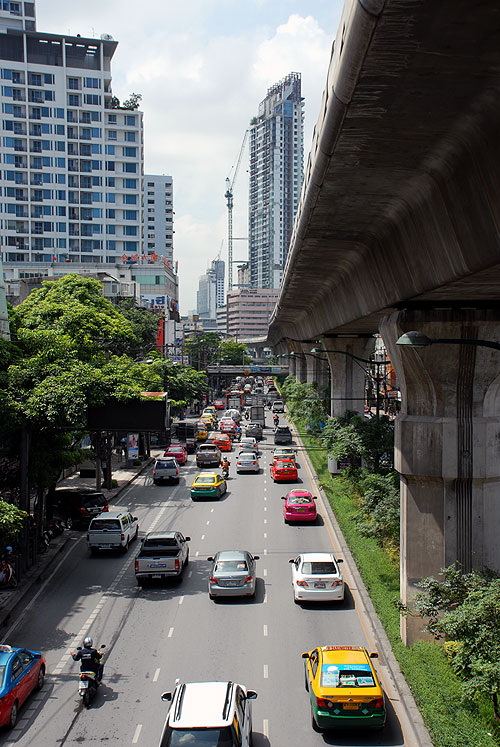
<point>201,430</point>
<point>343,688</point>
<point>208,485</point>
<point>209,410</point>
<point>208,418</point>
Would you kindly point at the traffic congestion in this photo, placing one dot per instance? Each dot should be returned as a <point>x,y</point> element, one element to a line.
<point>227,614</point>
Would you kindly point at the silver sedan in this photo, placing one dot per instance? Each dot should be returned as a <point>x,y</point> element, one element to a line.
<point>247,462</point>
<point>232,574</point>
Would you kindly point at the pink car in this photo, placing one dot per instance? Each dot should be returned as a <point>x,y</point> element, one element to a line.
<point>299,506</point>
<point>219,404</point>
<point>227,426</point>
<point>178,451</point>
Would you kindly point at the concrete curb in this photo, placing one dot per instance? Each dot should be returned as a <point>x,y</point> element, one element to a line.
<point>415,732</point>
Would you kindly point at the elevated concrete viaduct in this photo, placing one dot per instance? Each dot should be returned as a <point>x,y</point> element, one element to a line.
<point>398,230</point>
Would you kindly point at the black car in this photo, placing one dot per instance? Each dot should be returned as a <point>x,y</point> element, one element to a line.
<point>79,505</point>
<point>282,435</point>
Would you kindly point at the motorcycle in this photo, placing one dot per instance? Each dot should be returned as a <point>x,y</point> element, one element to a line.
<point>276,420</point>
<point>7,574</point>
<point>225,472</point>
<point>88,684</point>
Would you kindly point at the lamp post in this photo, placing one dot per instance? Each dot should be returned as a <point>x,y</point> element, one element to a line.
<point>377,365</point>
<point>415,339</point>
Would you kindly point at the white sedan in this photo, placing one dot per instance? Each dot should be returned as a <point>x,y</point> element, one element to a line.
<point>247,462</point>
<point>316,577</point>
<point>248,443</point>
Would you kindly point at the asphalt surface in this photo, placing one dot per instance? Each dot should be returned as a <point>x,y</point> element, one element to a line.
<point>157,634</point>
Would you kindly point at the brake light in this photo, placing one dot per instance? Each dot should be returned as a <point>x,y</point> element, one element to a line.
<point>213,580</point>
<point>83,677</point>
<point>122,537</point>
<point>154,472</point>
<point>176,470</point>
<point>106,507</point>
<point>321,703</point>
<point>83,510</point>
<point>302,583</point>
<point>177,564</point>
<point>248,579</point>
<point>337,582</point>
<point>379,703</point>
<point>136,566</point>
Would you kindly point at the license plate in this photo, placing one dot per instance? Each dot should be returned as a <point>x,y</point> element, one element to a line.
<point>157,565</point>
<point>301,510</point>
<point>83,685</point>
<point>319,585</point>
<point>232,583</point>
<point>351,706</point>
<point>156,575</point>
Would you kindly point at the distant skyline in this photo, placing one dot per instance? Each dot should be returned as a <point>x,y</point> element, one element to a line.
<point>202,67</point>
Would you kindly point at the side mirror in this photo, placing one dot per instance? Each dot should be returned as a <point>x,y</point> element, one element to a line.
<point>283,497</point>
<point>78,648</point>
<point>135,518</point>
<point>210,558</point>
<point>339,560</point>
<point>304,656</point>
<point>166,696</point>
<point>292,560</point>
<point>188,539</point>
<point>102,646</point>
<point>256,557</point>
<point>373,655</point>
<point>251,694</point>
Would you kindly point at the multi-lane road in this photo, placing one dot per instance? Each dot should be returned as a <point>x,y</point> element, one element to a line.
<point>157,634</point>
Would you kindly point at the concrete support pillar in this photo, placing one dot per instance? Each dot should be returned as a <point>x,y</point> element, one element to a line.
<point>310,363</point>
<point>292,365</point>
<point>347,373</point>
<point>300,367</point>
<point>446,445</point>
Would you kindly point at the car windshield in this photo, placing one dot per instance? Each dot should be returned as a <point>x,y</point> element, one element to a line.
<point>228,566</point>
<point>205,480</point>
<point>199,738</point>
<point>3,669</point>
<point>299,499</point>
<point>319,568</point>
<point>347,675</point>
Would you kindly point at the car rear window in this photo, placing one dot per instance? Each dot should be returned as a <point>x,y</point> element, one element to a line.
<point>165,463</point>
<point>198,738</point>
<point>205,480</point>
<point>347,675</point>
<point>246,457</point>
<point>228,566</point>
<point>282,429</point>
<point>319,568</point>
<point>93,500</point>
<point>105,524</point>
<point>299,499</point>
<point>160,542</point>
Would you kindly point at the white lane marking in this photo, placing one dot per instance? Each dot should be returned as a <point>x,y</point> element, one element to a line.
<point>190,574</point>
<point>197,553</point>
<point>265,508</point>
<point>181,599</point>
<point>265,728</point>
<point>265,498</point>
<point>137,733</point>
<point>265,535</point>
<point>170,633</point>
<point>266,671</point>
<point>265,630</point>
<point>208,522</point>
<point>211,510</point>
<point>265,551</point>
<point>203,536</point>
<point>156,675</point>
<point>265,571</point>
<point>265,521</point>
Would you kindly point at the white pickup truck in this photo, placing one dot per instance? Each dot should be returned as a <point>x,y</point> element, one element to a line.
<point>112,530</point>
<point>162,555</point>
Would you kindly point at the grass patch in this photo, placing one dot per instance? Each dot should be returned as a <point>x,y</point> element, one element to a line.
<point>436,688</point>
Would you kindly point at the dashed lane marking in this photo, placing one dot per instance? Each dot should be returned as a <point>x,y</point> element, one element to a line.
<point>137,734</point>
<point>156,675</point>
<point>266,671</point>
<point>170,633</point>
<point>265,630</point>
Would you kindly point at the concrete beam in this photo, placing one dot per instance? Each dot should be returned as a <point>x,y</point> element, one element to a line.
<point>446,446</point>
<point>347,375</point>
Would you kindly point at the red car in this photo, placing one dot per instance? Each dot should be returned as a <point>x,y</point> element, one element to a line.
<point>299,506</point>
<point>219,404</point>
<point>178,451</point>
<point>227,426</point>
<point>283,470</point>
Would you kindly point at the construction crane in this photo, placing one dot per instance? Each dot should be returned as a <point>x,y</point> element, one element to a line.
<point>229,197</point>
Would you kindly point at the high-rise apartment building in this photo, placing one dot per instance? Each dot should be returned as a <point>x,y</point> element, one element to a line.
<point>210,295</point>
<point>276,171</point>
<point>159,216</point>
<point>248,311</point>
<point>72,158</point>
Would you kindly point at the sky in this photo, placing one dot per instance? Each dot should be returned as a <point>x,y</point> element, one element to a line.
<point>202,67</point>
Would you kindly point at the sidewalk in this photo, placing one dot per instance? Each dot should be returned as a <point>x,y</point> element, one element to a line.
<point>12,601</point>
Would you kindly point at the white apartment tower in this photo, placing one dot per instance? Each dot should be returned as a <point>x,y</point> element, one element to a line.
<point>276,171</point>
<point>159,216</point>
<point>72,160</point>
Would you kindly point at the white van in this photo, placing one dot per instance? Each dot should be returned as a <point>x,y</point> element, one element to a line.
<point>112,530</point>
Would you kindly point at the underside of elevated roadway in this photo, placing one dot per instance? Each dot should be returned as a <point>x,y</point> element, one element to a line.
<point>401,198</point>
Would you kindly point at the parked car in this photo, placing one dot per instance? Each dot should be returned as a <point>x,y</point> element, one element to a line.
<point>284,470</point>
<point>178,451</point>
<point>316,577</point>
<point>278,406</point>
<point>162,555</point>
<point>208,485</point>
<point>165,468</point>
<point>343,687</point>
<point>247,462</point>
<point>299,506</point>
<point>255,430</point>
<point>219,713</point>
<point>232,574</point>
<point>22,671</point>
<point>78,506</point>
<point>208,455</point>
<point>283,435</point>
<point>114,530</point>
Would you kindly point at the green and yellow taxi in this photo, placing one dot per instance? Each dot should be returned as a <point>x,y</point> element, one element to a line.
<point>343,688</point>
<point>208,485</point>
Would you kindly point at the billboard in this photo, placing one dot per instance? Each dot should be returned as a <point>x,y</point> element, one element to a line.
<point>133,416</point>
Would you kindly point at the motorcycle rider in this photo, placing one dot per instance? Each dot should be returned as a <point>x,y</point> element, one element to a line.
<point>90,658</point>
<point>225,465</point>
<point>276,419</point>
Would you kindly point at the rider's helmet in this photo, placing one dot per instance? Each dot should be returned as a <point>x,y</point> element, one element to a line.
<point>8,548</point>
<point>88,642</point>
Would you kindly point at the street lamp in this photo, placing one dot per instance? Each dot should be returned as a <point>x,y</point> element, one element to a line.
<point>415,339</point>
<point>362,360</point>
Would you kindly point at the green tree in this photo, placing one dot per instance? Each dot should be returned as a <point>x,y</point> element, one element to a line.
<point>132,102</point>
<point>12,520</point>
<point>464,608</point>
<point>144,325</point>
<point>233,353</point>
<point>203,349</point>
